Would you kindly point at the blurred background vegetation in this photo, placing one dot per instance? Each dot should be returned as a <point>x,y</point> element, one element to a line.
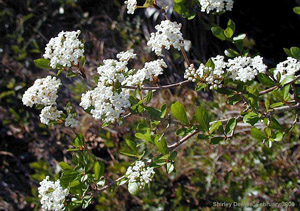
<point>241,171</point>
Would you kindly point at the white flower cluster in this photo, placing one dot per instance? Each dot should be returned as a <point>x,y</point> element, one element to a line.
<point>108,99</point>
<point>212,76</point>
<point>216,5</point>
<point>71,120</point>
<point>140,174</point>
<point>52,195</point>
<point>150,70</point>
<point>49,113</point>
<point>131,6</point>
<point>43,92</point>
<point>240,68</point>
<point>287,68</point>
<point>245,68</point>
<point>65,49</point>
<point>168,34</point>
<point>108,105</point>
<point>125,56</point>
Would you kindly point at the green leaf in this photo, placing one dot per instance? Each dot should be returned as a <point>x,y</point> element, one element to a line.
<point>154,112</point>
<point>296,10</point>
<point>265,80</point>
<point>148,3</point>
<point>215,126</point>
<point>216,140</point>
<point>258,134</point>
<point>231,53</point>
<point>286,92</point>
<point>132,145</point>
<point>59,72</point>
<point>295,51</point>
<point>161,144</point>
<point>163,111</point>
<point>229,31</point>
<point>170,168</point>
<point>278,136</point>
<point>200,86</point>
<point>74,183</point>
<point>67,177</point>
<point>287,80</point>
<point>288,52</point>
<point>202,118</point>
<point>178,111</point>
<point>65,166</point>
<point>71,75</point>
<point>275,124</point>
<point>275,105</point>
<point>98,170</point>
<point>145,134</point>
<point>184,8</point>
<point>231,124</point>
<point>218,32</point>
<point>251,118</point>
<point>211,64</point>
<point>180,132</point>
<point>133,188</point>
<point>42,63</point>
<point>148,97</point>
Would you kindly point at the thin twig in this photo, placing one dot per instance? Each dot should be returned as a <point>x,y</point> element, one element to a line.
<point>277,86</point>
<point>180,142</point>
<point>110,184</point>
<point>158,87</point>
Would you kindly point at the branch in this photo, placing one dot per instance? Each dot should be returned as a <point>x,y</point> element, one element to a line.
<point>110,184</point>
<point>157,87</point>
<point>277,86</point>
<point>285,108</point>
<point>180,142</point>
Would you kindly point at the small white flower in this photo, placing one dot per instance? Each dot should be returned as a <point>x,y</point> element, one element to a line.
<point>52,195</point>
<point>211,76</point>
<point>216,5</point>
<point>187,45</point>
<point>71,120</point>
<point>108,105</point>
<point>49,113</point>
<point>43,92</point>
<point>150,70</point>
<point>245,68</point>
<point>167,34</point>
<point>287,68</point>
<point>64,50</point>
<point>139,173</point>
<point>131,6</point>
<point>125,56</point>
<point>112,71</point>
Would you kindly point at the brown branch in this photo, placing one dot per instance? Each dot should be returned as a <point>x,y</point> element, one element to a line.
<point>277,86</point>
<point>180,142</point>
<point>157,87</point>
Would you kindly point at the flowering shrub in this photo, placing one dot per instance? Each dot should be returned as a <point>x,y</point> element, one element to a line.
<point>122,91</point>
